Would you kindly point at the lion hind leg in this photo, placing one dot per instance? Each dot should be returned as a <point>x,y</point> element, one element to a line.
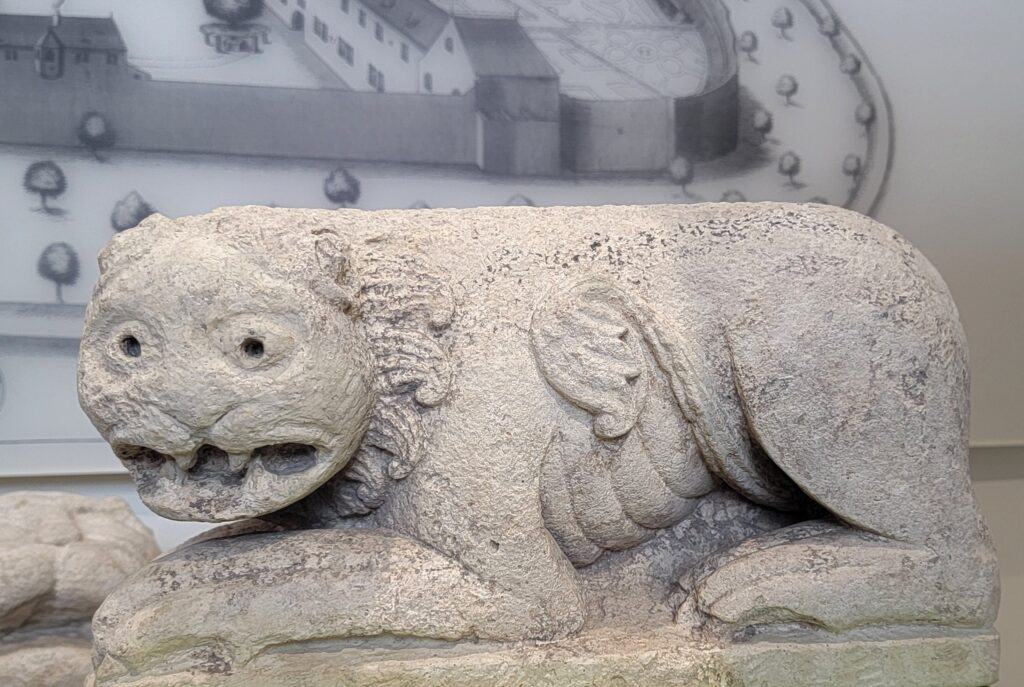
<point>826,576</point>
<point>866,412</point>
<point>881,457</point>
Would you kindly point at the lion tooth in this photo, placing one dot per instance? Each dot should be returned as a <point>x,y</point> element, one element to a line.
<point>237,461</point>
<point>171,470</point>
<point>185,462</point>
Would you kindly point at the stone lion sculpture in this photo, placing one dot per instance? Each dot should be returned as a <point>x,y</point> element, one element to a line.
<point>498,424</point>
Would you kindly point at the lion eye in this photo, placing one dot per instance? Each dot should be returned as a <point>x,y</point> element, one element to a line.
<point>256,341</point>
<point>252,347</point>
<point>124,341</point>
<point>130,346</point>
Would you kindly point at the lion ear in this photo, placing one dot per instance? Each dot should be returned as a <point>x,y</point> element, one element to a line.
<point>132,241</point>
<point>331,257</point>
<point>589,345</point>
<point>333,261</point>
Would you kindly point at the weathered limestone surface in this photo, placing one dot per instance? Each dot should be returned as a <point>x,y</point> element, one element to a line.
<point>670,439</point>
<point>659,658</point>
<point>60,556</point>
<point>46,661</point>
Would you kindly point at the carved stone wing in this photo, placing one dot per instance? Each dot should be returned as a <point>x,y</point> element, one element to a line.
<point>635,474</point>
<point>662,405</point>
<point>592,352</point>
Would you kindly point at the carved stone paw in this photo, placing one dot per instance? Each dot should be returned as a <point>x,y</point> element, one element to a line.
<point>214,605</point>
<point>817,575</point>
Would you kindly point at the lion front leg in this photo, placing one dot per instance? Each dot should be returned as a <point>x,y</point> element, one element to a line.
<point>214,605</point>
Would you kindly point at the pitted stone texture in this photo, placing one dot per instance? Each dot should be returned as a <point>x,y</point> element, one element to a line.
<point>614,659</point>
<point>725,420</point>
<point>213,605</point>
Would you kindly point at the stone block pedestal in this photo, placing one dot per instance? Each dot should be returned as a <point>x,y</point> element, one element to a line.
<point>617,659</point>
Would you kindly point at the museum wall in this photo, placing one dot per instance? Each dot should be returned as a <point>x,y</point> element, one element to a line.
<point>998,483</point>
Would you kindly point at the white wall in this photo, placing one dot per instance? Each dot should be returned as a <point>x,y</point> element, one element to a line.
<point>29,370</point>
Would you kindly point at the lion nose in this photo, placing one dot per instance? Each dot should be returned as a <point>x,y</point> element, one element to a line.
<point>156,430</point>
<point>198,419</point>
<point>199,409</point>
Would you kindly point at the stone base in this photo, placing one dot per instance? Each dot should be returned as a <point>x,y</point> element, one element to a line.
<point>610,659</point>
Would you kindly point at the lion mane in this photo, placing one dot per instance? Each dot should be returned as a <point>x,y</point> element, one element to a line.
<point>404,309</point>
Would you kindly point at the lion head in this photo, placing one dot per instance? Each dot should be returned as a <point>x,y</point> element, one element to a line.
<point>239,361</point>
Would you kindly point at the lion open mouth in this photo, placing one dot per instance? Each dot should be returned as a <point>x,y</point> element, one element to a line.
<point>210,463</point>
<point>213,484</point>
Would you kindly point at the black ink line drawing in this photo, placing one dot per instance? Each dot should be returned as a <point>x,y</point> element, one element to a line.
<point>45,179</point>
<point>512,87</point>
<point>129,211</point>
<point>396,103</point>
<point>59,264</point>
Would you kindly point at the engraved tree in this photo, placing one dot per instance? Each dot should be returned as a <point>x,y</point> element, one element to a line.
<point>850,64</point>
<point>520,199</point>
<point>865,114</point>
<point>235,33</point>
<point>787,87</point>
<point>789,166</point>
<point>46,179</point>
<point>341,187</point>
<point>681,171</point>
<point>234,12</point>
<point>853,167</point>
<point>747,43</point>
<point>95,133</point>
<point>733,196</point>
<point>829,25</point>
<point>782,19</point>
<point>59,264</point>
<point>129,211</point>
<point>762,123</point>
